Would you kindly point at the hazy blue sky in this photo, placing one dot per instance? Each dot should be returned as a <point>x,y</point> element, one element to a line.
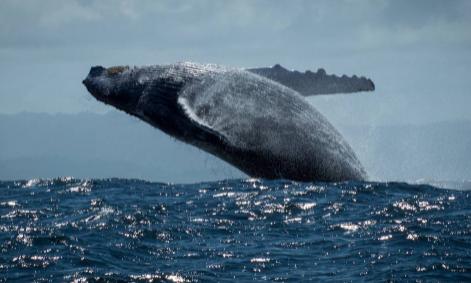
<point>418,53</point>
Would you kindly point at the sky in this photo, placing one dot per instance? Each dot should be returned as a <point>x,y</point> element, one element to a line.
<point>416,52</point>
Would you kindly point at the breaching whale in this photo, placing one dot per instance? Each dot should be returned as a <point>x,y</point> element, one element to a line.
<point>255,119</point>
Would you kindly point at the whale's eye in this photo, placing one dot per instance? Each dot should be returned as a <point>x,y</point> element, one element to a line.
<point>116,69</point>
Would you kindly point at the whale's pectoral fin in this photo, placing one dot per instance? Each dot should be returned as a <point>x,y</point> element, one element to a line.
<point>310,83</point>
<point>201,129</point>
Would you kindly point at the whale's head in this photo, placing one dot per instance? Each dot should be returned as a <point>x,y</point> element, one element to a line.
<point>112,86</point>
<point>149,93</point>
<point>134,90</point>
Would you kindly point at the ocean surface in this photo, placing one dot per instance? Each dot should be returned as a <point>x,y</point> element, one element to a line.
<point>120,230</point>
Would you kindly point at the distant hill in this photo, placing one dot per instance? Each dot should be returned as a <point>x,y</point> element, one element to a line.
<point>99,146</point>
<point>117,145</point>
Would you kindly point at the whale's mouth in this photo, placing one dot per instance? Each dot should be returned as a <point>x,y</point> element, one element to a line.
<point>95,72</point>
<point>96,83</point>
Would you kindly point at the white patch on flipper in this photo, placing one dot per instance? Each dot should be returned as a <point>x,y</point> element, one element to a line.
<point>190,113</point>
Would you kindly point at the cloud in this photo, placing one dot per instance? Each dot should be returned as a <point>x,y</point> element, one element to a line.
<point>322,24</point>
<point>63,38</point>
<point>59,13</point>
<point>128,9</point>
<point>435,33</point>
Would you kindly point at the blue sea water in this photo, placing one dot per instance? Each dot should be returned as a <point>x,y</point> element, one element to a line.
<point>119,230</point>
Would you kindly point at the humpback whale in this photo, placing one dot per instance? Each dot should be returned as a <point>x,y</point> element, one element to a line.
<point>257,120</point>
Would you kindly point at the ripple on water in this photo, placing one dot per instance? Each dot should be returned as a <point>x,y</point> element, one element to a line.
<point>129,230</point>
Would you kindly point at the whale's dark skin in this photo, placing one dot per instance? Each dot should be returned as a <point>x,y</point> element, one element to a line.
<point>258,125</point>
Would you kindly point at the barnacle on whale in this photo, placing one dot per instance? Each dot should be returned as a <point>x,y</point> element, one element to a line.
<point>117,69</point>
